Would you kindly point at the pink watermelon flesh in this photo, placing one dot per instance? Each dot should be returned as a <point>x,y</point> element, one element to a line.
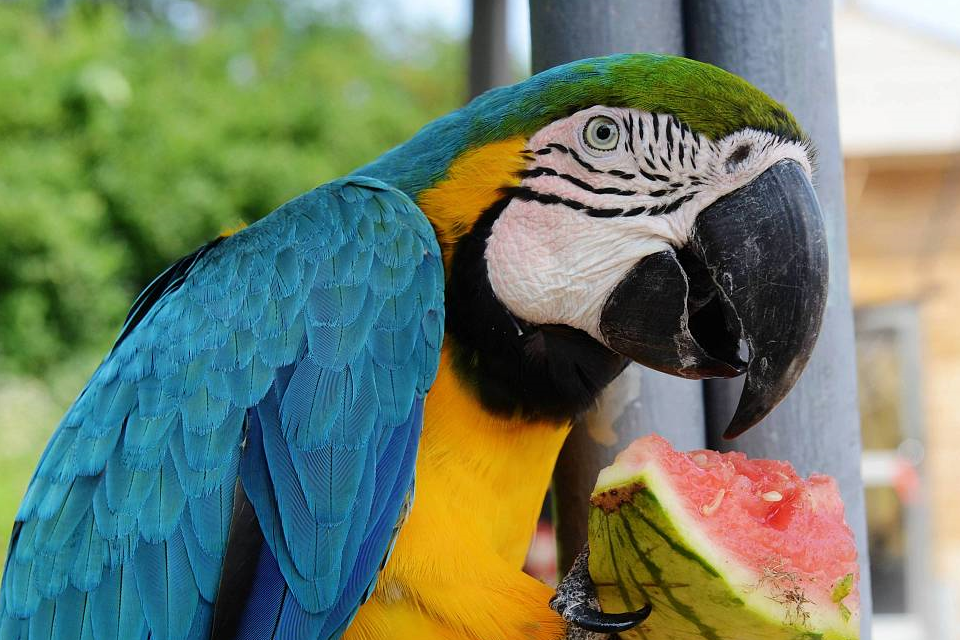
<point>758,510</point>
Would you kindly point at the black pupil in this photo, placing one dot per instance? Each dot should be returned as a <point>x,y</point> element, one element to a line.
<point>603,132</point>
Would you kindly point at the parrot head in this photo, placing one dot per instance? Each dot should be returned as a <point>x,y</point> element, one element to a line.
<point>635,207</point>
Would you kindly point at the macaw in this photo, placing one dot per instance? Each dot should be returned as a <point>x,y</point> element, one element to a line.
<point>341,421</point>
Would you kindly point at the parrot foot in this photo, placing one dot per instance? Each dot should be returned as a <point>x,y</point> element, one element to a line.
<point>576,602</point>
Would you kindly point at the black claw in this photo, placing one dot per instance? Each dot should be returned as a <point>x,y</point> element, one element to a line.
<point>600,622</point>
<point>576,602</point>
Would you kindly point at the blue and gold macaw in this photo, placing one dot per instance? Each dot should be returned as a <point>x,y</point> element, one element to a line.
<point>242,463</point>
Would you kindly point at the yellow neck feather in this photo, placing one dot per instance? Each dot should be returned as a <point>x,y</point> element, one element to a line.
<point>499,468</point>
<point>471,186</point>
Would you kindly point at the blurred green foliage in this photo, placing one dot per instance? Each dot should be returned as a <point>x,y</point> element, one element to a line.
<point>125,143</point>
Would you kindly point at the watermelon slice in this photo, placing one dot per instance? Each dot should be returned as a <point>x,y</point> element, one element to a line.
<point>723,547</point>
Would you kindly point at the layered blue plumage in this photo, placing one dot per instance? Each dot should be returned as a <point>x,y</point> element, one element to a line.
<point>276,611</point>
<point>295,354</point>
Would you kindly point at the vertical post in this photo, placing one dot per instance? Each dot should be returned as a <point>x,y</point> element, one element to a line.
<point>640,401</point>
<point>565,30</point>
<point>785,47</point>
<point>489,54</point>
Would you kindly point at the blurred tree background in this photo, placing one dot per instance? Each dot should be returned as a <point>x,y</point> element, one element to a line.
<point>132,133</point>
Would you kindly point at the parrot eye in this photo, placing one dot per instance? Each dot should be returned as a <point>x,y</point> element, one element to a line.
<point>601,134</point>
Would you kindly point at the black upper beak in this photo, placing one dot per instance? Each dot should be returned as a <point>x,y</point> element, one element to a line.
<point>755,270</point>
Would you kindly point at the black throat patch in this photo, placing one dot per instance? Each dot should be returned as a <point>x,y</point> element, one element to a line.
<point>538,372</point>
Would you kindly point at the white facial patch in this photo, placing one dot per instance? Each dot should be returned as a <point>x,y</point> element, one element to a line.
<point>590,207</point>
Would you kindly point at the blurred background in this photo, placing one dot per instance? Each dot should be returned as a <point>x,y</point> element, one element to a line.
<point>131,132</point>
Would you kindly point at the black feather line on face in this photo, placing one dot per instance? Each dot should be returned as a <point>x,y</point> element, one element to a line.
<point>670,207</point>
<point>537,372</point>
<point>654,177</point>
<point>628,125</point>
<point>669,129</point>
<point>648,159</point>
<point>529,195</point>
<point>556,146</point>
<point>537,172</point>
<point>576,156</point>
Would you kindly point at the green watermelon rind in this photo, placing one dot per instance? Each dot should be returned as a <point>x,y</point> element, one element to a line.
<point>648,549</point>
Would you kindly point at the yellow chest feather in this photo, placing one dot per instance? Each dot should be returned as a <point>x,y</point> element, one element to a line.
<point>455,570</point>
<point>490,471</point>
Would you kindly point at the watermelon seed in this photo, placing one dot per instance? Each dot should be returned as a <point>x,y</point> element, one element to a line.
<point>708,509</point>
<point>772,496</point>
<point>701,460</point>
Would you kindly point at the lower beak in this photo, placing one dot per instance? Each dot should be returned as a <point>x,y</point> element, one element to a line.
<point>754,274</point>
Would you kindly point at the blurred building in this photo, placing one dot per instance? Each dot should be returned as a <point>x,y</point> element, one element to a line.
<point>899,92</point>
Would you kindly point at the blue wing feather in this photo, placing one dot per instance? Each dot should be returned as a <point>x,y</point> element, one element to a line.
<point>41,624</point>
<point>266,600</point>
<point>319,327</point>
<point>274,610</point>
<point>116,608</point>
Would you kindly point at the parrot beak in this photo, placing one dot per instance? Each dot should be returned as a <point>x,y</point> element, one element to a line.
<point>755,270</point>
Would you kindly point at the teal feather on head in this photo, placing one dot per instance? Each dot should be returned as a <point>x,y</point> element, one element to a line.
<point>711,101</point>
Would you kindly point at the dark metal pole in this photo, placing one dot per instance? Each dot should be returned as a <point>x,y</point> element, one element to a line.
<point>785,47</point>
<point>489,54</point>
<point>641,401</point>
<point>565,30</point>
